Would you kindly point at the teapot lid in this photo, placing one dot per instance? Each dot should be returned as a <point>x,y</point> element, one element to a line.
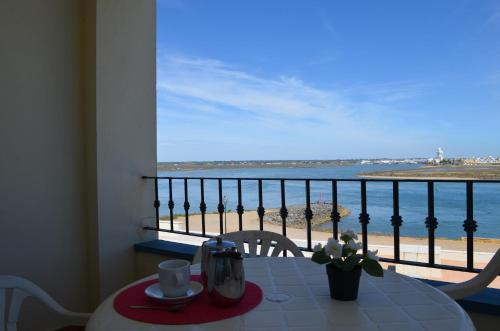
<point>219,243</point>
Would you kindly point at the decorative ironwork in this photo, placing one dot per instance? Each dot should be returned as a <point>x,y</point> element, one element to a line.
<point>431,222</point>
<point>186,204</point>
<point>364,217</point>
<point>335,215</point>
<point>283,210</point>
<point>283,213</point>
<point>308,214</point>
<point>156,204</point>
<point>396,221</point>
<point>220,208</point>
<point>171,204</point>
<point>469,225</point>
<point>203,207</point>
<point>239,209</point>
<point>260,210</point>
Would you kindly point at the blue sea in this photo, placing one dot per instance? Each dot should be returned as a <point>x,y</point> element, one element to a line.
<point>450,198</point>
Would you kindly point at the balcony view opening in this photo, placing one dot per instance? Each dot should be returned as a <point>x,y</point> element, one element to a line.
<point>269,110</point>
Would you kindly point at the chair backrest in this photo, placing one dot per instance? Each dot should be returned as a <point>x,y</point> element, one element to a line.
<point>21,289</point>
<point>476,284</point>
<point>254,238</point>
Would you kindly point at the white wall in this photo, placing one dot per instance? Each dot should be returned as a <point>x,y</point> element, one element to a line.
<point>126,132</point>
<point>77,130</point>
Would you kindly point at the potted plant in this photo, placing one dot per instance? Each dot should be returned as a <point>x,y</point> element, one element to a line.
<point>344,265</point>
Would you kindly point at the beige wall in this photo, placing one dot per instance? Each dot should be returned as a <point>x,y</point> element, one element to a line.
<point>42,204</point>
<point>77,130</point>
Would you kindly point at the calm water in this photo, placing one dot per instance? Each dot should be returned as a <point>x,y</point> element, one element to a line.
<point>449,198</point>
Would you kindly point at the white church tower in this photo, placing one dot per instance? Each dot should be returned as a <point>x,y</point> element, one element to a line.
<point>439,155</point>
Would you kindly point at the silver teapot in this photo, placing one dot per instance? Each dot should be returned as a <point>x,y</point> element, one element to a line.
<point>225,277</point>
<point>213,245</point>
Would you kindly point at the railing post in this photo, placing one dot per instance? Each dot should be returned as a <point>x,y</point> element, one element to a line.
<point>470,225</point>
<point>260,210</point>
<point>431,221</point>
<point>335,215</point>
<point>239,209</point>
<point>283,210</point>
<point>220,208</point>
<point>171,204</point>
<point>396,219</point>
<point>364,217</point>
<point>156,204</point>
<point>203,206</point>
<point>308,214</point>
<point>186,204</point>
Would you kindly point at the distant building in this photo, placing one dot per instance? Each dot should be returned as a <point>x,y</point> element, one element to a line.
<point>439,157</point>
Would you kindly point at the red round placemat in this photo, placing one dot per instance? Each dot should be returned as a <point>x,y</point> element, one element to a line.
<point>200,310</point>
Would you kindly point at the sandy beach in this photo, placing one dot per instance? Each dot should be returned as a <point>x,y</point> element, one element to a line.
<point>251,222</point>
<point>448,251</point>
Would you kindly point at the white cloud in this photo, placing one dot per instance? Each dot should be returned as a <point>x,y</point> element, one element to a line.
<point>217,84</point>
<point>206,95</point>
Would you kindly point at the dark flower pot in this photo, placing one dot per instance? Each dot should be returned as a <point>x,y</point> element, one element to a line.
<point>344,285</point>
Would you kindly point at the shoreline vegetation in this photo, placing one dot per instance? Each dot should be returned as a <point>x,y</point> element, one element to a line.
<point>207,165</point>
<point>475,172</point>
<point>457,172</point>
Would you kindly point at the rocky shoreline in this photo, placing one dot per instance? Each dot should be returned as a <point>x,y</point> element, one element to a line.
<point>296,219</point>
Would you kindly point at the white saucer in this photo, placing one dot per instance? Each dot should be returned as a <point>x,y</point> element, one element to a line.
<point>154,292</point>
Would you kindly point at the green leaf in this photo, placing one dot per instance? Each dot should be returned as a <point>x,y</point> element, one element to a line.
<point>351,262</point>
<point>320,257</point>
<point>372,267</point>
<point>348,264</point>
<point>345,238</point>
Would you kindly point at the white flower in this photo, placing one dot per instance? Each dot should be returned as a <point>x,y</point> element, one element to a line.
<point>351,244</point>
<point>333,248</point>
<point>372,255</point>
<point>351,234</point>
<point>317,248</point>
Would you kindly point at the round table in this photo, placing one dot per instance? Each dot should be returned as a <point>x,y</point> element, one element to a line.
<point>394,302</point>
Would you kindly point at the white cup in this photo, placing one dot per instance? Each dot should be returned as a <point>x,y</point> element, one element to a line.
<point>175,277</point>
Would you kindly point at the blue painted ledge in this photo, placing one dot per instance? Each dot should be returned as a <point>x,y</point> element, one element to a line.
<point>168,248</point>
<point>485,302</point>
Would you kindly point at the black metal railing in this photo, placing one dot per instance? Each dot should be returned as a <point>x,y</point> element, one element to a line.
<point>431,223</point>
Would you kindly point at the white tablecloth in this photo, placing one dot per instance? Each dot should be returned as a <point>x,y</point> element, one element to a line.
<point>394,302</point>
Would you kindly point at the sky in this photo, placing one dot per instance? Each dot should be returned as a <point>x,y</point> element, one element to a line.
<point>275,80</point>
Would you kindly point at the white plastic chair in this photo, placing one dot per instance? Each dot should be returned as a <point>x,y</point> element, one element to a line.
<point>476,284</point>
<point>21,289</point>
<point>252,238</point>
